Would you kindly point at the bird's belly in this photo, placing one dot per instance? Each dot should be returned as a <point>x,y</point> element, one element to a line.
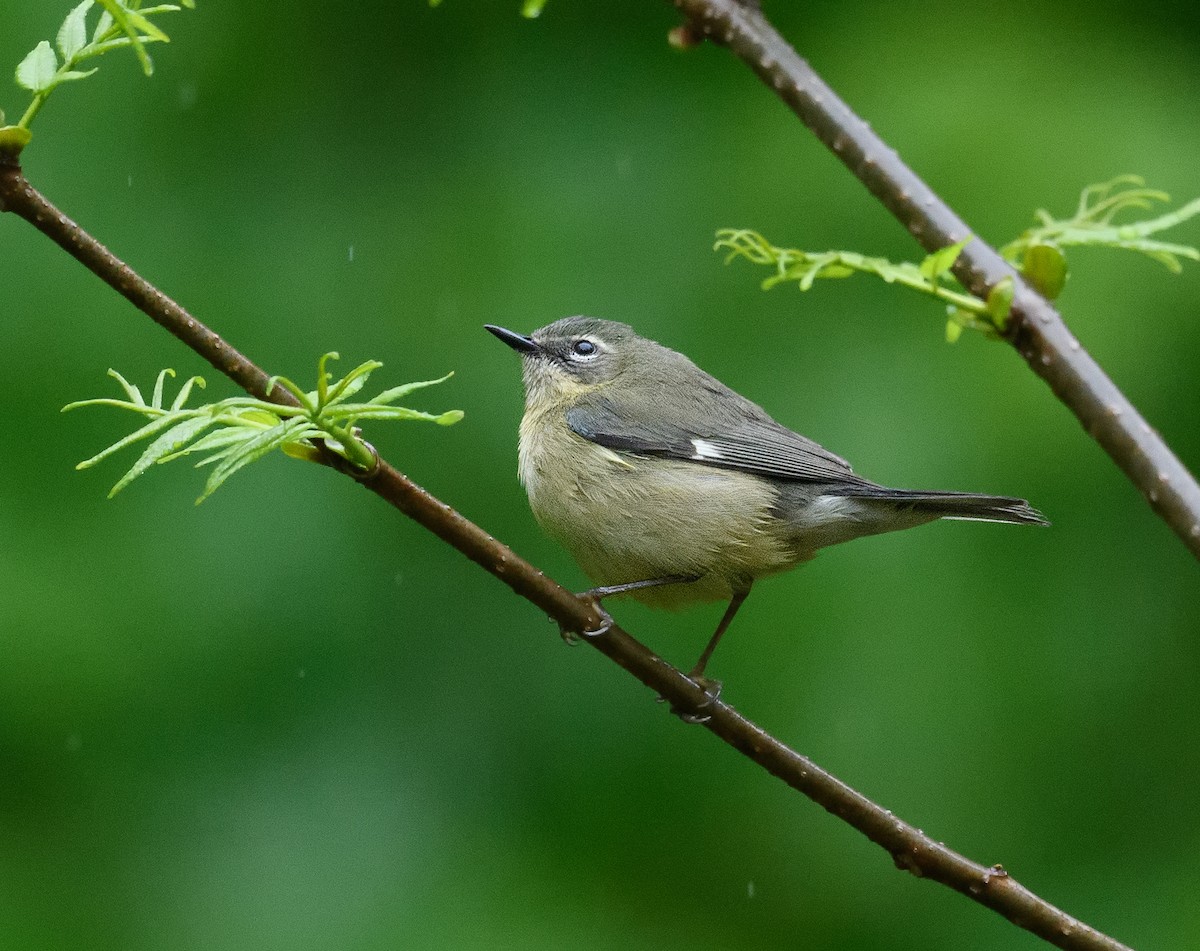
<point>626,518</point>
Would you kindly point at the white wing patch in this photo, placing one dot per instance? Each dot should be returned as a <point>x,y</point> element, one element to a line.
<point>706,450</point>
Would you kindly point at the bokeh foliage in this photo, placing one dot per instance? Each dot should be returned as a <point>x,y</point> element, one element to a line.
<point>290,719</point>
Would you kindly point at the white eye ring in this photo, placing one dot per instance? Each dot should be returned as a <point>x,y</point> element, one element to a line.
<point>583,349</point>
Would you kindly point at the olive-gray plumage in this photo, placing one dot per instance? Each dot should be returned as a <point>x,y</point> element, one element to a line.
<point>645,467</point>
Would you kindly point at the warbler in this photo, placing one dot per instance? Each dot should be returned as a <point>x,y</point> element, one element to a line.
<point>665,484</point>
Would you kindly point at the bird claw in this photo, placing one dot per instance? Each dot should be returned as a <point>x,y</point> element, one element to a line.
<point>572,638</point>
<point>712,691</point>
<point>606,623</point>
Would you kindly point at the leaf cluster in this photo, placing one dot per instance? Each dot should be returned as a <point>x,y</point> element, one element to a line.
<point>121,24</point>
<point>232,433</point>
<point>1038,253</point>
<point>1093,224</point>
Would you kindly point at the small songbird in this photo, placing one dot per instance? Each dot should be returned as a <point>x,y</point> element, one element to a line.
<point>665,484</point>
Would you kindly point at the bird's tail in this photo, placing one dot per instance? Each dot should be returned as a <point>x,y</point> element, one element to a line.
<point>960,505</point>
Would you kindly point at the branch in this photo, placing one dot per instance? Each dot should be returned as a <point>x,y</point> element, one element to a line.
<point>1036,328</point>
<point>909,847</point>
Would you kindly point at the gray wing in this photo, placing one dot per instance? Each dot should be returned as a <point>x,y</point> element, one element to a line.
<point>720,428</point>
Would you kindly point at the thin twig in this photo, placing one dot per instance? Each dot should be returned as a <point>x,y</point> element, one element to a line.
<point>1036,328</point>
<point>910,848</point>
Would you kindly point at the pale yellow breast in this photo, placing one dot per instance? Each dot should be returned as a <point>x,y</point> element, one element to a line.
<point>626,518</point>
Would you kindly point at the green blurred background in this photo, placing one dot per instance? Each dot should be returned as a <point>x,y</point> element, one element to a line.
<point>291,719</point>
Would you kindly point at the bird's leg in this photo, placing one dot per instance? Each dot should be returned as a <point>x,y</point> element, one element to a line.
<point>595,595</point>
<point>696,675</point>
<point>697,672</point>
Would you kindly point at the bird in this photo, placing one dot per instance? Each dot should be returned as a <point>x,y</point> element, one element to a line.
<point>666,485</point>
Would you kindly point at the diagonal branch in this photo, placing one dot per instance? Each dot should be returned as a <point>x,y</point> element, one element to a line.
<point>1036,328</point>
<point>909,847</point>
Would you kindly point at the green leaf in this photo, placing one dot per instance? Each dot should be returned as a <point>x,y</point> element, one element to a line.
<point>154,426</point>
<point>72,35</point>
<point>396,392</point>
<point>1045,267</point>
<point>352,382</point>
<point>73,74</point>
<point>227,446</point>
<point>148,30</point>
<point>260,417</point>
<point>37,70</point>
<point>324,376</point>
<point>119,404</point>
<point>939,263</point>
<point>367,411</point>
<point>165,445</point>
<point>305,400</point>
<point>953,330</point>
<point>133,392</point>
<point>532,9</point>
<point>250,450</point>
<point>103,25</point>
<point>122,17</point>
<point>186,390</point>
<point>832,271</point>
<point>302,451</point>
<point>217,439</point>
<point>999,303</point>
<point>156,399</point>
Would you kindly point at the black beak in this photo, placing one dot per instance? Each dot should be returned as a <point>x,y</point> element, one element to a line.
<point>517,341</point>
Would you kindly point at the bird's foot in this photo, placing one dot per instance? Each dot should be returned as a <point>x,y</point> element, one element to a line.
<point>594,596</point>
<point>572,637</point>
<point>712,691</point>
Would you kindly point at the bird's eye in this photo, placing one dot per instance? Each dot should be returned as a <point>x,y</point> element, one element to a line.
<point>583,348</point>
